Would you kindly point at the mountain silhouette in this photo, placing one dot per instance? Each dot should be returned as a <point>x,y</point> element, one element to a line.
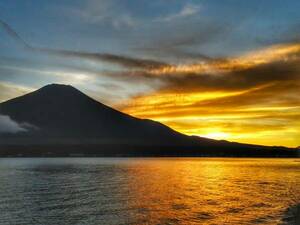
<point>63,111</point>
<point>59,120</point>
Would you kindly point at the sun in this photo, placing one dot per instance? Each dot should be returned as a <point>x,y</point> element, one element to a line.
<point>216,135</point>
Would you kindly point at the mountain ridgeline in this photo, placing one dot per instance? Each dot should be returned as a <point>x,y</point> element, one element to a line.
<point>59,120</point>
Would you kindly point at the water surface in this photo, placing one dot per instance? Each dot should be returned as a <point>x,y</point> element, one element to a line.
<point>71,191</point>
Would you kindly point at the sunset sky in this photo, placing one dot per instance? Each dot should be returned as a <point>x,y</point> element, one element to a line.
<point>223,69</point>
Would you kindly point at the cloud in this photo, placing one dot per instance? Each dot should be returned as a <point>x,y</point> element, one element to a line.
<point>104,11</point>
<point>267,115</point>
<point>274,64</point>
<point>227,84</point>
<point>279,64</point>
<point>186,11</point>
<point>251,98</point>
<point>10,90</point>
<point>124,61</point>
<point>7,125</point>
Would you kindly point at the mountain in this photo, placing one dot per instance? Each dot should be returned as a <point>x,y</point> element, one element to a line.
<point>59,120</point>
<point>62,111</point>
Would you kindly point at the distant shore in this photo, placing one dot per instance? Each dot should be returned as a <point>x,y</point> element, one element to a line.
<point>292,215</point>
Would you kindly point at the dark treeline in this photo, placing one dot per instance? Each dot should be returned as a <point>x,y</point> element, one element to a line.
<point>142,151</point>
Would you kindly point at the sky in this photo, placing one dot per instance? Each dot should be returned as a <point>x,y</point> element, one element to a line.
<point>225,69</point>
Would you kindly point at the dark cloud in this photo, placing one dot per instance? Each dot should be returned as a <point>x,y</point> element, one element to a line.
<point>124,61</point>
<point>179,54</point>
<point>238,79</point>
<point>284,72</point>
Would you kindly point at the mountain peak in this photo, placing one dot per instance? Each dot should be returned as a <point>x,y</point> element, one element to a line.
<point>55,86</point>
<point>60,91</point>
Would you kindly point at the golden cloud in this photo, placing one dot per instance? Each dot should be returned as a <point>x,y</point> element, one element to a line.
<point>253,98</point>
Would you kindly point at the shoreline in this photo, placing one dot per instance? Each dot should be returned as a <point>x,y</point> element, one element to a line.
<point>292,215</point>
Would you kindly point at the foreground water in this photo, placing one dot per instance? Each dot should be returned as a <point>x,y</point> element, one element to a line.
<point>147,191</point>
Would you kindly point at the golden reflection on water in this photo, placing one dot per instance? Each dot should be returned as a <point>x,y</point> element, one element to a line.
<point>212,191</point>
<point>135,191</point>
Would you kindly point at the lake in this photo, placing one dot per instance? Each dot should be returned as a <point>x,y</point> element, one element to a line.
<point>139,191</point>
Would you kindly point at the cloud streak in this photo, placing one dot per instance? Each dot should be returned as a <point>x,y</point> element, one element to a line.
<point>12,33</point>
<point>186,11</point>
<point>124,61</point>
<point>9,90</point>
